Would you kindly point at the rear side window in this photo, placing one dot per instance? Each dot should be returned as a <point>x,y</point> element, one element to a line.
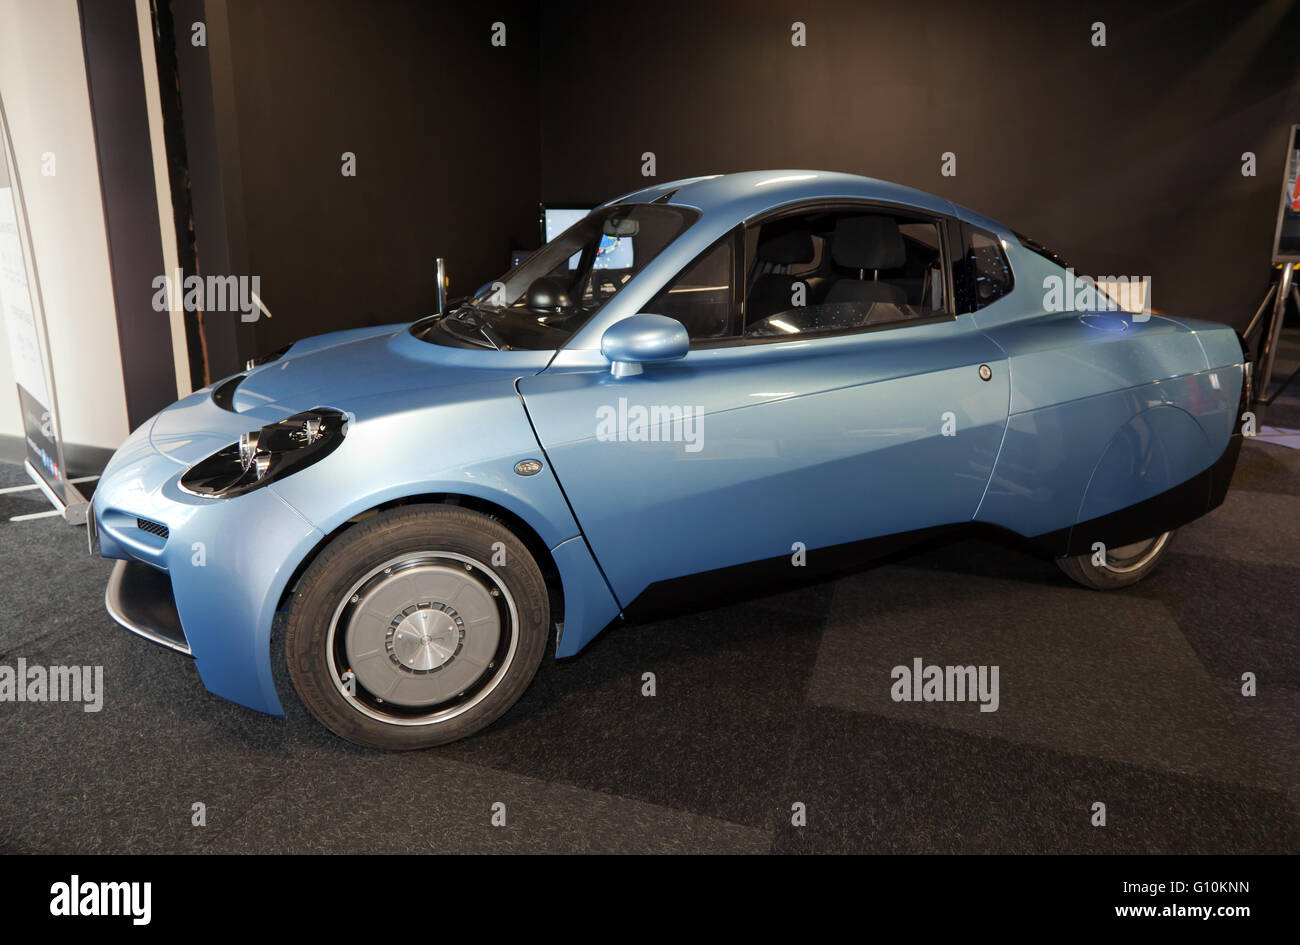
<point>984,274</point>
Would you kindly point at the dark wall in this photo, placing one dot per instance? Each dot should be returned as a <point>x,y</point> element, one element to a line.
<point>1126,159</point>
<point>210,230</point>
<point>111,44</point>
<point>444,129</point>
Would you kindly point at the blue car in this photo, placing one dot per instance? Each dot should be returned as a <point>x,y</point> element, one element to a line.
<point>711,387</point>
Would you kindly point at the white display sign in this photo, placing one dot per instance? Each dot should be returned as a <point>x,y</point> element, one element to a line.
<point>15,302</point>
<point>28,348</point>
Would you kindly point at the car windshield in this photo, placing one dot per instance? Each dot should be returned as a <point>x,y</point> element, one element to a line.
<point>544,300</point>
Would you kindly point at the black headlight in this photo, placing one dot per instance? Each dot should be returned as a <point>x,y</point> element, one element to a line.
<point>264,455</point>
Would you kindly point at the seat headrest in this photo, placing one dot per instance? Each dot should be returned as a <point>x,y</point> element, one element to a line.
<point>791,248</point>
<point>868,242</point>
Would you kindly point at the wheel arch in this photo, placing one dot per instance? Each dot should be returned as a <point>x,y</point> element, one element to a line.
<point>517,524</point>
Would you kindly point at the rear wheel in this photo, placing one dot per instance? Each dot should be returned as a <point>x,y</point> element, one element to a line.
<point>416,627</point>
<point>1110,568</point>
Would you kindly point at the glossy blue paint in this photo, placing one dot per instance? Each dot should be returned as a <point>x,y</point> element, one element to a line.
<point>1147,456</point>
<point>1050,454</point>
<point>645,339</point>
<point>780,428</point>
<point>766,447</point>
<point>588,604</point>
<point>445,421</point>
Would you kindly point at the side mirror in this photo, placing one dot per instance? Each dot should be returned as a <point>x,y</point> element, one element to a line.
<point>643,339</point>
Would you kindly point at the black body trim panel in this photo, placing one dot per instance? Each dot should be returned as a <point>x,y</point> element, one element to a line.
<point>140,598</point>
<point>706,589</point>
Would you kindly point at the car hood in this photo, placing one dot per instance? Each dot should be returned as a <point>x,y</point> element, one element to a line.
<point>365,373</point>
<point>339,368</point>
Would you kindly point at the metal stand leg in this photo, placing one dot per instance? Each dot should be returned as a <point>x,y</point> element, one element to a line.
<point>1275,331</point>
<point>1259,312</point>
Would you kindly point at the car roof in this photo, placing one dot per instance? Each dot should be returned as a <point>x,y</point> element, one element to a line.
<point>727,200</point>
<point>740,196</point>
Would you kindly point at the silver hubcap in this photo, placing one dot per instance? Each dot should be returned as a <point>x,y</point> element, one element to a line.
<point>425,637</point>
<point>422,638</point>
<point>1129,558</point>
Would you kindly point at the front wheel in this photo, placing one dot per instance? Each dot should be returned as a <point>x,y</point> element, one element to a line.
<point>1109,568</point>
<point>416,627</point>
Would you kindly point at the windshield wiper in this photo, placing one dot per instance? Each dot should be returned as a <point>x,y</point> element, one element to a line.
<point>480,307</point>
<point>494,342</point>
<point>447,321</point>
<point>477,325</point>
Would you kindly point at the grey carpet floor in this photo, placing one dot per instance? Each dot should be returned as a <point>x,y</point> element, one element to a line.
<point>1131,699</point>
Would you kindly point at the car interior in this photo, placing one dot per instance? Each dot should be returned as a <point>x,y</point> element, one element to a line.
<point>830,270</point>
<point>857,269</point>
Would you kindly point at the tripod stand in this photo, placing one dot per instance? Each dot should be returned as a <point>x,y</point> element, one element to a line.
<point>1278,295</point>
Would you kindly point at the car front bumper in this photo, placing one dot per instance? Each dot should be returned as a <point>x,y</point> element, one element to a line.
<point>202,576</point>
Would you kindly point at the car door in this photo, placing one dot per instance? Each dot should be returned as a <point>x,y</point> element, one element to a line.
<point>757,449</point>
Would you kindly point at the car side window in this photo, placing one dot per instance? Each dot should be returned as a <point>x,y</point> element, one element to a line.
<point>982,275</point>
<point>702,296</point>
<point>842,270</point>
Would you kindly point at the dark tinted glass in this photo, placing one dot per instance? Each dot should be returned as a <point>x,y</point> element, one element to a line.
<point>702,296</point>
<point>983,274</point>
<point>544,300</point>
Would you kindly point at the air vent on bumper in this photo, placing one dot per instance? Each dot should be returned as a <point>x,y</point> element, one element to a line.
<point>153,528</point>
<point>140,598</point>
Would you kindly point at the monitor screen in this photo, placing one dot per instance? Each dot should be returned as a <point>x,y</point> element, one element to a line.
<point>615,251</point>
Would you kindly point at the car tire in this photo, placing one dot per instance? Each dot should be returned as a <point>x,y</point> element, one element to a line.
<point>1122,566</point>
<point>417,626</point>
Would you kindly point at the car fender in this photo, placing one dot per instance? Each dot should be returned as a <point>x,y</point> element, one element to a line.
<point>474,455</point>
<point>589,604</point>
<point>1154,451</point>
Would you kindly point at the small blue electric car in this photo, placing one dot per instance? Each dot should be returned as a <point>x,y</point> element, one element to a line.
<point>714,386</point>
